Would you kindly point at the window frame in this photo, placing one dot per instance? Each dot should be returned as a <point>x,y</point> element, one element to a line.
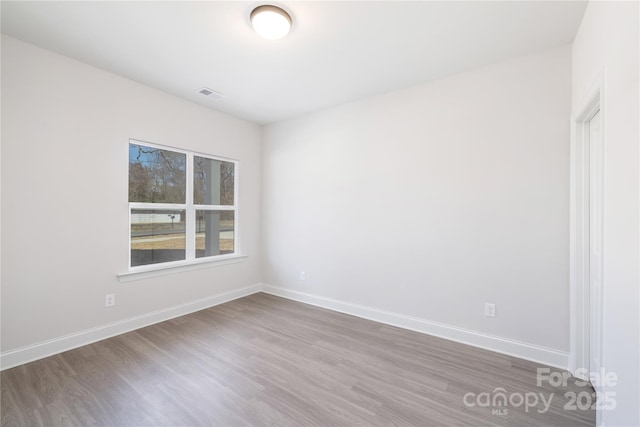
<point>190,211</point>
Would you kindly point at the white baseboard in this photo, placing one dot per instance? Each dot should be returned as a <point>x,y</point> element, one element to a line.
<point>47,348</point>
<point>510,347</point>
<point>519,349</point>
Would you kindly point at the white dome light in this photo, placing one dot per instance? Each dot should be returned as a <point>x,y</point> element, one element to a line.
<point>270,22</point>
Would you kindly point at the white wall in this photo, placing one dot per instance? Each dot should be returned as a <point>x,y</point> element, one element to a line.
<point>65,133</point>
<point>608,38</point>
<point>430,201</point>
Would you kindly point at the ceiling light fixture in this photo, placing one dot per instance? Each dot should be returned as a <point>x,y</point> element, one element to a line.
<point>271,22</point>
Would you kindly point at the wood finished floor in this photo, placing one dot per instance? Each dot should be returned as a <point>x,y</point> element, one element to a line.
<point>266,361</point>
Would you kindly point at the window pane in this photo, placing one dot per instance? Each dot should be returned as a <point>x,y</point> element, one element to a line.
<point>214,233</point>
<point>213,182</point>
<point>157,236</point>
<point>156,176</point>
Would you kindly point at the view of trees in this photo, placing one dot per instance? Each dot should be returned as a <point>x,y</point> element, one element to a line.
<point>159,176</point>
<point>213,182</point>
<point>156,176</point>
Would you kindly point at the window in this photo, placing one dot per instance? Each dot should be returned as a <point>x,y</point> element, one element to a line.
<point>182,206</point>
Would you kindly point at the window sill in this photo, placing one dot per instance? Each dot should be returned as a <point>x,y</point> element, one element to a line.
<point>156,271</point>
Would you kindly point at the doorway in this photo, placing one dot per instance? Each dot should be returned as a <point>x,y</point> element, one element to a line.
<point>587,237</point>
<point>595,242</point>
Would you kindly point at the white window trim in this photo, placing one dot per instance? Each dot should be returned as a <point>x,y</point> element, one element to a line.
<point>190,262</point>
<point>166,268</point>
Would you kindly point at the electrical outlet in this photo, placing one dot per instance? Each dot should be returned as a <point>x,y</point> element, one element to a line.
<point>109,300</point>
<point>490,310</point>
<point>303,276</point>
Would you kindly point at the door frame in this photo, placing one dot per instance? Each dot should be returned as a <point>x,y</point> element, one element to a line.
<point>594,101</point>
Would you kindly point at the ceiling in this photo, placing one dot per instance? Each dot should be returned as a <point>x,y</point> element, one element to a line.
<point>336,52</point>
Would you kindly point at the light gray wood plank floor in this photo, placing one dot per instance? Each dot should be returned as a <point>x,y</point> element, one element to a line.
<point>266,361</point>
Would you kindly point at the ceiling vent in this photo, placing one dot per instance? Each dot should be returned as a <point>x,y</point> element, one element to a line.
<point>210,93</point>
